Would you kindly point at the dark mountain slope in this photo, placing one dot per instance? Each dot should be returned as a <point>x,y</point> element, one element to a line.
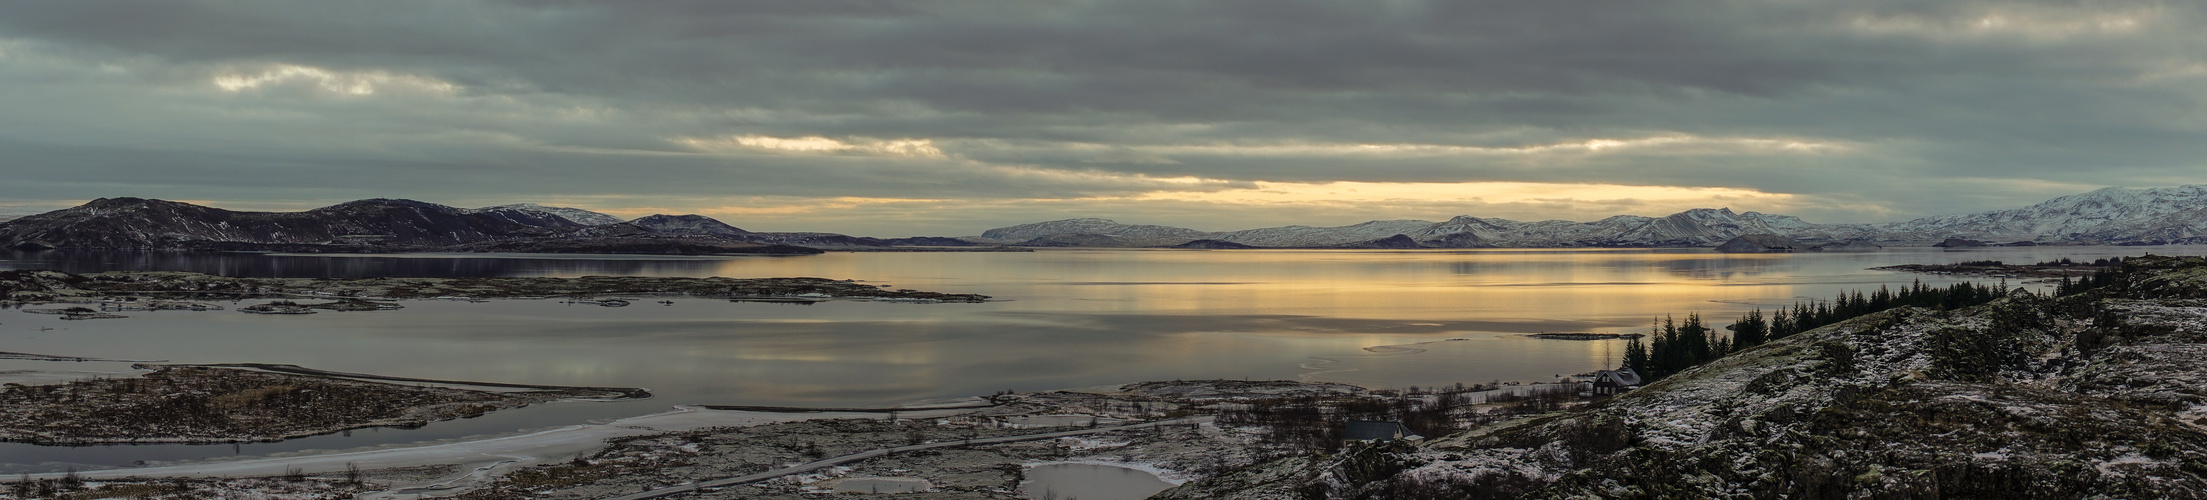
<point>136,223</point>
<point>389,225</point>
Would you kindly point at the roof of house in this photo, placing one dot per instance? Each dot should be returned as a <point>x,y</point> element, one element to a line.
<point>1361,430</point>
<point>1622,376</point>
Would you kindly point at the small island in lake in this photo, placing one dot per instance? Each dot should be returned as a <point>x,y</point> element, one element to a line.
<point>1586,336</point>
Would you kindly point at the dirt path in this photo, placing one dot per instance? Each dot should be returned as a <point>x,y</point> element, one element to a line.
<point>830,462</point>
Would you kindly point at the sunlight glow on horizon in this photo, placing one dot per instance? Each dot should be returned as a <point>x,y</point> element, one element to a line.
<point>349,83</point>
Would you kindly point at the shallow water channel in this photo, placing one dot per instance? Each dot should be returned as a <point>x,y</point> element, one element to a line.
<point>1090,482</point>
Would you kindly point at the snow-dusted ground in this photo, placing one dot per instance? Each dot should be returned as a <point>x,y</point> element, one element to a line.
<point>2025,397</point>
<point>481,458</point>
<point>49,377</point>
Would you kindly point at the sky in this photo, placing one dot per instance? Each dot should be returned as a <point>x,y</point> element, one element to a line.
<point>948,117</point>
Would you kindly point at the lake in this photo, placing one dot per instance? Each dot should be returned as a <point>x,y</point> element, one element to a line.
<point>1062,319</point>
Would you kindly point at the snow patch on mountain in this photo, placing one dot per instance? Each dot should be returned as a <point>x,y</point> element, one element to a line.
<point>575,215</point>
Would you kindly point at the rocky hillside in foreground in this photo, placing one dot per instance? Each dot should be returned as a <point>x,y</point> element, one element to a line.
<point>2107,216</point>
<point>391,225</point>
<point>2097,395</point>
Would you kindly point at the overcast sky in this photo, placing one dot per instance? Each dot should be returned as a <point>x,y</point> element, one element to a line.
<point>891,118</point>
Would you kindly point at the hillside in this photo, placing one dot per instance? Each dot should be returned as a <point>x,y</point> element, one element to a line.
<point>2095,395</point>
<point>392,225</point>
<point>2112,215</point>
<point>137,223</point>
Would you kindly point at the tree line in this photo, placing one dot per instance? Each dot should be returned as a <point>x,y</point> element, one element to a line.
<point>1673,347</point>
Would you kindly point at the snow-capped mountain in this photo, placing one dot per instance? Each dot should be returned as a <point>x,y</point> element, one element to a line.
<point>2112,215</point>
<point>2106,216</point>
<point>575,215</point>
<point>137,223</point>
<point>392,225</point>
<point>1697,227</point>
<point>1121,234</point>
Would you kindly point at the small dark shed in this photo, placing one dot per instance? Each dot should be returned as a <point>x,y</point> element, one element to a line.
<point>1364,430</point>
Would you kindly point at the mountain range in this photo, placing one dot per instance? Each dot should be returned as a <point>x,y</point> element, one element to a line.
<point>2116,216</point>
<point>2106,216</point>
<point>395,225</point>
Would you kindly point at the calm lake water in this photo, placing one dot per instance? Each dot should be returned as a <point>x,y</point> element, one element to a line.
<point>1064,318</point>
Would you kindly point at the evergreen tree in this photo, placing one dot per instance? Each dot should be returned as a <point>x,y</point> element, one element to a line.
<point>1750,330</point>
<point>1636,357</point>
<point>1781,324</point>
<point>1697,349</point>
<point>1668,354</point>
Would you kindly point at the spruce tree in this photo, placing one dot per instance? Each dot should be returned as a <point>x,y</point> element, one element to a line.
<point>1750,330</point>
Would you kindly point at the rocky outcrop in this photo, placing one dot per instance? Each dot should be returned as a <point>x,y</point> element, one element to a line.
<point>2087,396</point>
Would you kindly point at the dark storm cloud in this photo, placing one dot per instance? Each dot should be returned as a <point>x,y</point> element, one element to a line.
<point>1901,108</point>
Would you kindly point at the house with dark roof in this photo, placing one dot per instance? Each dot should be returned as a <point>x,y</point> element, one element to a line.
<point>1365,430</point>
<point>1610,382</point>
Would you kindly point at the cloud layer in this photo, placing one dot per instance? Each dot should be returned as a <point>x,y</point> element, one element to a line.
<point>947,117</point>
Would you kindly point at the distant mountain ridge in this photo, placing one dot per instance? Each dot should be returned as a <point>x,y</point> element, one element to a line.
<point>1693,228</point>
<point>2117,216</point>
<point>2111,215</point>
<point>393,225</point>
<point>2106,216</point>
